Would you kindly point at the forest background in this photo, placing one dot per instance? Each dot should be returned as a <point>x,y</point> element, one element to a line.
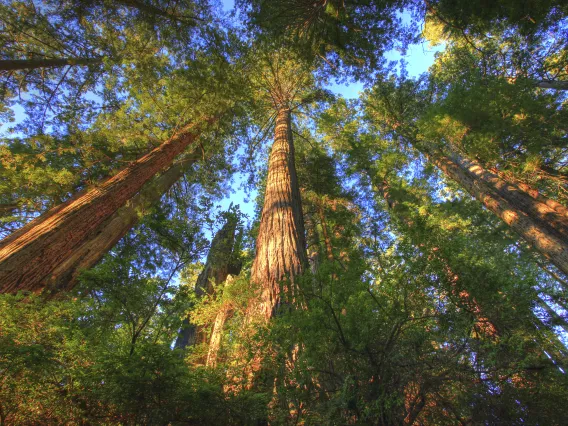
<point>295,212</point>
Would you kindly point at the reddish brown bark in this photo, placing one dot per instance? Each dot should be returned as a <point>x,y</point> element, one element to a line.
<point>482,326</point>
<point>280,246</point>
<point>29,64</point>
<point>64,277</point>
<point>217,268</point>
<point>541,222</point>
<point>29,255</point>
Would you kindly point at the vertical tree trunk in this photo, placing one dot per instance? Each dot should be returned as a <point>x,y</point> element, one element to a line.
<point>326,237</point>
<point>482,326</point>
<point>30,64</point>
<point>64,277</point>
<point>218,266</point>
<point>29,255</point>
<point>280,246</point>
<point>539,221</point>
<point>223,315</point>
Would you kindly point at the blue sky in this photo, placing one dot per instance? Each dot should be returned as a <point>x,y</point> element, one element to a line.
<point>419,58</point>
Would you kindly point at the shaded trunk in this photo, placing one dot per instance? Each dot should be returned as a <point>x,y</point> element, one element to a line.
<point>218,266</point>
<point>557,85</point>
<point>30,64</point>
<point>223,315</point>
<point>8,208</point>
<point>326,237</point>
<point>280,246</point>
<point>530,215</point>
<point>31,254</point>
<point>482,326</point>
<point>64,277</point>
<point>313,241</point>
<point>555,318</point>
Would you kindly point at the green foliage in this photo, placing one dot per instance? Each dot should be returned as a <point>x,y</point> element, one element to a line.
<point>419,307</point>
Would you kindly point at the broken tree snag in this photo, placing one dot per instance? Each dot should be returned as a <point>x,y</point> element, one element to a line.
<point>29,255</point>
<point>220,263</point>
<point>280,246</point>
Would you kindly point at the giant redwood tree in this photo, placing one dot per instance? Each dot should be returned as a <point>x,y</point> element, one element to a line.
<point>280,246</point>
<point>65,276</point>
<point>540,221</point>
<point>29,255</point>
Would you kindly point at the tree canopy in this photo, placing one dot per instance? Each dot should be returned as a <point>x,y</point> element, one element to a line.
<point>400,257</point>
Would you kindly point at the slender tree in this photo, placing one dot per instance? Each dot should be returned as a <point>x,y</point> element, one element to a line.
<point>225,312</point>
<point>483,325</point>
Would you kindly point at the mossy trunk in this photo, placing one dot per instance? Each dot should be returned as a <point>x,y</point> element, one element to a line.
<point>223,315</point>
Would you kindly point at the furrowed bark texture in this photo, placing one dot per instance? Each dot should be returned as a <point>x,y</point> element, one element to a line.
<point>30,64</point>
<point>280,246</point>
<point>217,268</point>
<point>64,277</point>
<point>31,254</point>
<point>541,222</point>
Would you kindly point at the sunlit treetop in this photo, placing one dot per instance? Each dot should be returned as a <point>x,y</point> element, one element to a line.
<point>348,38</point>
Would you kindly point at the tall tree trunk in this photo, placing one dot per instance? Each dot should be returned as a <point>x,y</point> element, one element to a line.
<point>326,237</point>
<point>64,277</point>
<point>280,246</point>
<point>531,216</point>
<point>223,315</point>
<point>30,64</point>
<point>218,266</point>
<point>31,254</point>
